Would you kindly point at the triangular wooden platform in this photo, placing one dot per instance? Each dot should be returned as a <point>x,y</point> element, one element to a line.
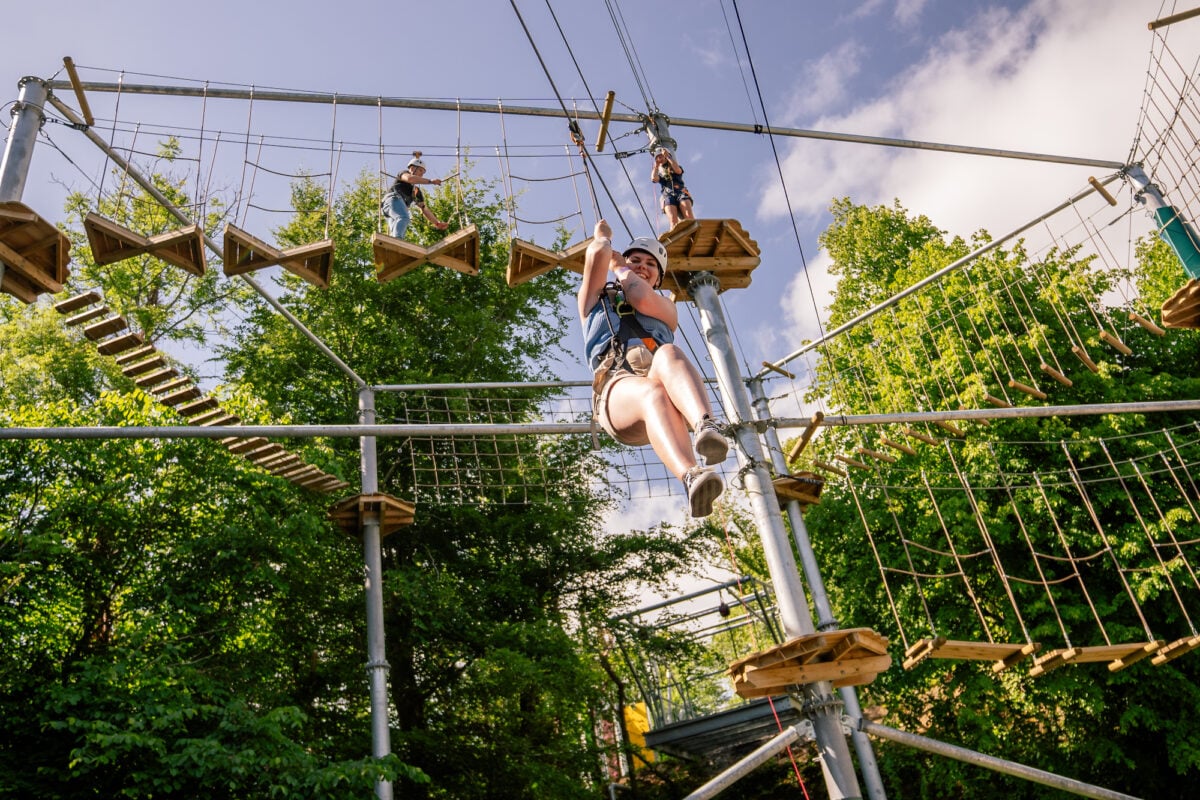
<point>35,254</point>
<point>396,257</point>
<point>526,260</point>
<point>719,246</point>
<point>244,253</point>
<point>804,487</point>
<point>110,243</point>
<point>1182,309</point>
<point>394,514</point>
<point>1002,654</point>
<point>846,658</point>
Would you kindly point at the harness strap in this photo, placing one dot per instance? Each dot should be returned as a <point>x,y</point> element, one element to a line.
<point>614,298</point>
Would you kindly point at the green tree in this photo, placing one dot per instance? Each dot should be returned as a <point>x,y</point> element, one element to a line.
<point>965,342</point>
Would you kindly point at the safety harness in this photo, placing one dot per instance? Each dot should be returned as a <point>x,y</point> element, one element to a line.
<point>613,297</point>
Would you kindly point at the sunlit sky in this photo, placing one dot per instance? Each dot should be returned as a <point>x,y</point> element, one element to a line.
<point>1060,77</point>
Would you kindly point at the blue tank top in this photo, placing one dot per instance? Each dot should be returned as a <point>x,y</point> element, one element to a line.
<point>597,335</point>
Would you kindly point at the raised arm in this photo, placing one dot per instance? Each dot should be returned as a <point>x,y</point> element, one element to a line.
<point>641,295</point>
<point>596,260</point>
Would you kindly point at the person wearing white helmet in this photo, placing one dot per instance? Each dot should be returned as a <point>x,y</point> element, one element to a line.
<point>406,192</point>
<point>644,389</point>
<point>676,199</point>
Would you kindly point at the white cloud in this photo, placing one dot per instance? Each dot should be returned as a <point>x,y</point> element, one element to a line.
<point>1055,77</point>
<point>823,85</point>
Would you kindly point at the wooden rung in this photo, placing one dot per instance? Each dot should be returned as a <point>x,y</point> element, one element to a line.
<point>780,370</point>
<point>866,451</point>
<point>920,650</point>
<point>1133,656</point>
<point>1174,650</point>
<point>1147,324</point>
<point>142,367</point>
<point>269,462</point>
<point>206,417</point>
<point>841,473</point>
<point>87,316</point>
<point>191,410</point>
<point>951,428</point>
<point>1053,373</point>
<point>1103,192</point>
<point>119,344</point>
<point>98,330</point>
<point>76,302</point>
<point>156,377</point>
<point>1053,660</point>
<point>1116,343</point>
<point>1032,391</point>
<point>134,355</point>
<point>161,388</point>
<point>921,437</point>
<point>287,465</point>
<point>246,445</point>
<point>1016,657</point>
<point>221,419</point>
<point>901,446</point>
<point>998,402</point>
<point>181,396</point>
<point>265,453</point>
<point>1003,654</point>
<point>1085,358</point>
<point>814,423</point>
<point>852,462</point>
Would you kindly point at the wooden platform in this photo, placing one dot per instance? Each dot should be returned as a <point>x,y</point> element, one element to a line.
<point>243,253</point>
<point>394,514</point>
<point>1119,656</point>
<point>33,252</point>
<point>1002,654</point>
<point>803,487</point>
<point>111,242</point>
<point>526,260</point>
<point>846,658</point>
<point>1182,309</point>
<point>719,246</point>
<point>396,257</point>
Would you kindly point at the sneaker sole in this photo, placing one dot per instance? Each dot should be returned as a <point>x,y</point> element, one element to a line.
<point>704,492</point>
<point>712,447</point>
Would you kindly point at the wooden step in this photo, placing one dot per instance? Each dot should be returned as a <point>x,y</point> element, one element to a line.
<point>1002,654</point>
<point>845,658</point>
<point>120,344</point>
<point>76,302</point>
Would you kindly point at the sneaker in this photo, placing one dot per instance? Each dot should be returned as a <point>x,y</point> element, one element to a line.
<point>703,488</point>
<point>709,442</point>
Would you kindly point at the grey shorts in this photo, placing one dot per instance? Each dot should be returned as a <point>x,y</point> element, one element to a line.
<point>606,377</point>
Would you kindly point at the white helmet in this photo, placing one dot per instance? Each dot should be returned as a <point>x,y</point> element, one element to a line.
<point>655,248</point>
<point>416,160</point>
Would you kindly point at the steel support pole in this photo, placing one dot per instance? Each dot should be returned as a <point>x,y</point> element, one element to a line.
<point>751,762</point>
<point>377,665</point>
<point>991,762</point>
<point>28,115</point>
<point>820,705</point>
<point>867,764</point>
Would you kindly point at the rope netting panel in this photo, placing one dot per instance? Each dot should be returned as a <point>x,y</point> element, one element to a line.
<point>464,468</point>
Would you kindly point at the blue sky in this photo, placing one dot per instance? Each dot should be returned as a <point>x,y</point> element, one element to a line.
<point>1052,76</point>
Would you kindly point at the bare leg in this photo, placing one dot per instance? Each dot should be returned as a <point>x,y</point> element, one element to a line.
<point>642,406</point>
<point>682,382</point>
<point>685,208</point>
<point>672,215</point>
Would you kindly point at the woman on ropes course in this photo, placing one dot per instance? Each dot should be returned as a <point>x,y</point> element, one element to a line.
<point>676,199</point>
<point>406,192</point>
<point>645,391</point>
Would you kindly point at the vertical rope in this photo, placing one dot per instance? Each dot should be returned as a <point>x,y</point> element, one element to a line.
<point>237,202</point>
<point>329,192</point>
<point>380,180</point>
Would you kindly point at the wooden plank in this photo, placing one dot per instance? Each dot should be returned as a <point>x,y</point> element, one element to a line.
<point>198,407</point>
<point>223,419</point>
<point>181,396</point>
<point>792,675</point>
<point>246,445</point>
<point>86,316</point>
<point>134,355</point>
<point>395,257</point>
<point>170,386</point>
<point>183,248</point>
<point>920,650</point>
<point>1175,649</point>
<point>156,377</point>
<point>1135,655</point>
<point>265,453</point>
<point>98,330</point>
<point>527,261</point>
<point>111,242</point>
<point>119,344</point>
<point>804,487</point>
<point>142,367</point>
<point>459,251</point>
<point>1052,660</point>
<point>76,302</point>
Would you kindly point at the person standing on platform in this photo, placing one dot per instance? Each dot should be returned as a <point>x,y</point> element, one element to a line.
<point>406,193</point>
<point>676,199</point>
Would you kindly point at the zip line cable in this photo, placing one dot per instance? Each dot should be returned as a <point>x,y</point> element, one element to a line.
<point>582,149</point>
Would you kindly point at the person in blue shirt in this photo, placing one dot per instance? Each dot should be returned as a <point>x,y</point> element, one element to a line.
<point>406,192</point>
<point>676,199</point>
<point>644,389</point>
